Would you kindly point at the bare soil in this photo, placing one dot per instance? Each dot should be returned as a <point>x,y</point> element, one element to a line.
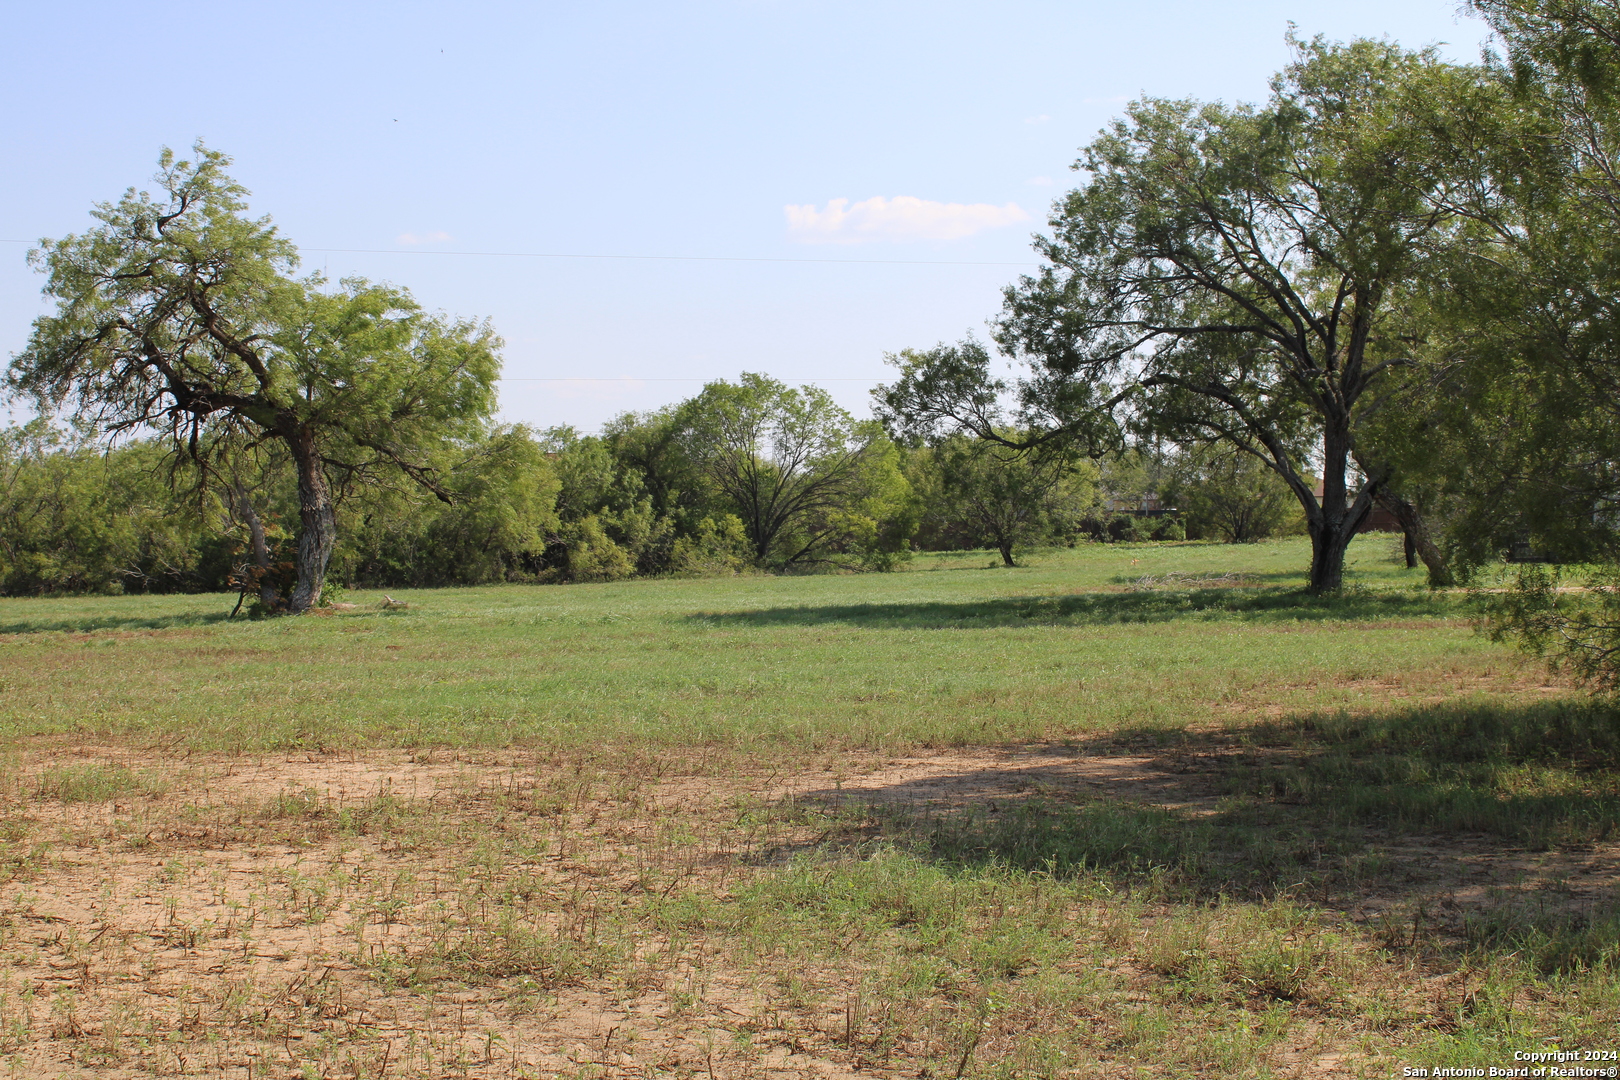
<point>225,918</point>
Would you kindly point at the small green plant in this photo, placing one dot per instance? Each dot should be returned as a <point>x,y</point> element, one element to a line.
<point>99,783</point>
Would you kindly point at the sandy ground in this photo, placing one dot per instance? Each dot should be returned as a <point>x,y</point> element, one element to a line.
<point>214,928</point>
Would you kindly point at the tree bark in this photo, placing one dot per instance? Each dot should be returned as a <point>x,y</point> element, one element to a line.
<point>1329,541</point>
<point>1006,550</point>
<point>1418,539</point>
<point>1334,519</point>
<point>269,597</point>
<point>319,534</point>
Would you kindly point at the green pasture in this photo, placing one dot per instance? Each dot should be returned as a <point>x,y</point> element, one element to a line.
<point>1398,853</point>
<point>1099,639</point>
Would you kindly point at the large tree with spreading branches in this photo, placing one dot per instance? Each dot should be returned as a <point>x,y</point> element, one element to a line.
<point>178,313</point>
<point>1235,274</point>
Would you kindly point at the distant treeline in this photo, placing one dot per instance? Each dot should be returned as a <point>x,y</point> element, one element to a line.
<point>747,477</point>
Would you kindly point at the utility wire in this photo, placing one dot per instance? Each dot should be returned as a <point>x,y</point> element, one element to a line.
<point>640,258</point>
<point>634,379</point>
<point>671,258</point>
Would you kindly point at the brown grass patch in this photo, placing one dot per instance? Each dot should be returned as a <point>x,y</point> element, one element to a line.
<point>508,915</point>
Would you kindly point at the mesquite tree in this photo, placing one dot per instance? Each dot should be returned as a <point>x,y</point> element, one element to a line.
<point>803,475</point>
<point>1237,274</point>
<point>179,314</point>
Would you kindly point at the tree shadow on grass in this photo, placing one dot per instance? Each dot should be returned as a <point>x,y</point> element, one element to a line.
<point>1090,609</point>
<point>1540,774</point>
<point>89,624</point>
<point>1473,829</point>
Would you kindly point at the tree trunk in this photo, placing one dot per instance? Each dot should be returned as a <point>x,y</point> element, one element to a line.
<point>1334,519</point>
<point>319,533</point>
<point>761,537</point>
<point>1418,540</point>
<point>1329,541</point>
<point>1006,550</point>
<point>1409,548</point>
<point>269,596</point>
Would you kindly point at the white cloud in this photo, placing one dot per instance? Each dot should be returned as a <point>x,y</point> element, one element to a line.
<point>1041,119</point>
<point>423,238</point>
<point>904,217</point>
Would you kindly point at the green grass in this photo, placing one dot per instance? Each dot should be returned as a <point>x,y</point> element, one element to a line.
<point>950,652</point>
<point>1369,858</point>
<point>99,783</point>
<point>1540,774</point>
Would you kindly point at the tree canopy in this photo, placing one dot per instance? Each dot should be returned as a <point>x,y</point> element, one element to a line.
<point>1531,303</point>
<point>178,314</point>
<point>805,477</point>
<point>1235,274</point>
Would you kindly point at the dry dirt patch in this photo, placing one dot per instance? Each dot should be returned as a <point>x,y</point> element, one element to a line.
<point>376,915</point>
<point>271,916</point>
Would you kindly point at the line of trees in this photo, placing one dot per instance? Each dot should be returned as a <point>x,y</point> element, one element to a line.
<point>747,476</point>
<point>679,491</point>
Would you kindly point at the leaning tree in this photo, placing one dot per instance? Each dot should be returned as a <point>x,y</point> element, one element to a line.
<point>1238,275</point>
<point>178,314</point>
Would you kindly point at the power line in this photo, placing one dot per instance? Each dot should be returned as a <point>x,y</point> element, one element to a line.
<point>671,258</point>
<point>634,379</point>
<point>642,258</point>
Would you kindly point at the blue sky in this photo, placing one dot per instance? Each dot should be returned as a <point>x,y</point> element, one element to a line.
<point>804,185</point>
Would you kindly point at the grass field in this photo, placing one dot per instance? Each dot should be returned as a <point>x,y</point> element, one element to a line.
<point>1126,810</point>
<point>949,654</point>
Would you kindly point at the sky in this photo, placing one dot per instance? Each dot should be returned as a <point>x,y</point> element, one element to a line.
<point>642,197</point>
